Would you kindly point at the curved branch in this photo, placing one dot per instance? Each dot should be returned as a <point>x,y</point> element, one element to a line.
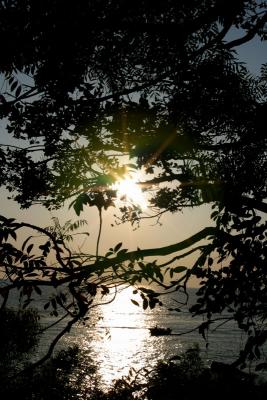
<point>52,346</point>
<point>250,34</point>
<point>139,254</point>
<point>181,256</point>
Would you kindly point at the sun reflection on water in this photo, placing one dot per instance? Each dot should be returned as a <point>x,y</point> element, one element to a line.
<point>123,332</point>
<point>118,338</point>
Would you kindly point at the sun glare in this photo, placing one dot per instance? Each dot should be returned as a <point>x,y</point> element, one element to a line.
<point>128,190</point>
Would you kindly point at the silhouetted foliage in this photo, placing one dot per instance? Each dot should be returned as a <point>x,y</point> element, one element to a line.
<point>187,378</point>
<point>85,83</point>
<point>18,337</point>
<point>190,379</point>
<point>158,82</point>
<point>69,374</point>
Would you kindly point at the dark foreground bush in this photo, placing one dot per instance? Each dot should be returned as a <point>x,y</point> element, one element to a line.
<point>62,377</point>
<point>19,334</point>
<point>190,379</point>
<point>70,376</point>
<point>187,378</point>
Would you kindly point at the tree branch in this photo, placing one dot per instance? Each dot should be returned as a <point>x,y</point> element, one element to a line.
<point>139,254</point>
<point>249,35</point>
<point>254,203</point>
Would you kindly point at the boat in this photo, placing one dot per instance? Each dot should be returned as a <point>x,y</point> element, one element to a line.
<point>158,331</point>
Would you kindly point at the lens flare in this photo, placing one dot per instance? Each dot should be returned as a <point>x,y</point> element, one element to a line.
<point>129,190</point>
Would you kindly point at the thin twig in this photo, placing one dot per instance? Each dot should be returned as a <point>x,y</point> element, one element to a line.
<point>100,230</point>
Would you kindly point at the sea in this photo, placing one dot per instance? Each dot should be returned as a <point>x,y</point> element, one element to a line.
<point>117,336</point>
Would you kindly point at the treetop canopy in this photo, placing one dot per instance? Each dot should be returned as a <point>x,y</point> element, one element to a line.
<point>84,82</point>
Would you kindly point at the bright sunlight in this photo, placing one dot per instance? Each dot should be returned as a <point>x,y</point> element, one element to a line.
<point>128,190</point>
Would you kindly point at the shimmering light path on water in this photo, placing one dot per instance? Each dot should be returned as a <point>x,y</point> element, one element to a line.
<point>118,337</point>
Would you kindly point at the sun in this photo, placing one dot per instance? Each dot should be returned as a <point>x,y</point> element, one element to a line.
<point>128,190</point>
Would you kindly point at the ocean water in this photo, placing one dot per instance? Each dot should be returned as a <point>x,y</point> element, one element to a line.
<point>117,335</point>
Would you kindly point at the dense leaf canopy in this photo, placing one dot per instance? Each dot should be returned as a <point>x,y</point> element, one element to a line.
<point>160,83</point>
<point>88,85</point>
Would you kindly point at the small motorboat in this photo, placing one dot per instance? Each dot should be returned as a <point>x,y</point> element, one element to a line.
<point>157,331</point>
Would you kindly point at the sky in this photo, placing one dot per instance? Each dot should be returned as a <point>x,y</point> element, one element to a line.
<point>254,54</point>
<point>173,228</point>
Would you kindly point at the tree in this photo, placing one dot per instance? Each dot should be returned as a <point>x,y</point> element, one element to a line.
<point>60,377</point>
<point>19,335</point>
<point>162,85</point>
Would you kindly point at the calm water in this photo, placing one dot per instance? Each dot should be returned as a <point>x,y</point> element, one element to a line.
<point>117,335</point>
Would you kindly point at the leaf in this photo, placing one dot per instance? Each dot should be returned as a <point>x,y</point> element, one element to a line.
<point>210,261</point>
<point>13,234</point>
<point>78,207</point>
<point>18,91</point>
<point>179,269</point>
<point>159,276</point>
<point>105,290</point>
<point>117,247</point>
<point>13,86</point>
<point>25,242</point>
<point>54,303</point>
<point>135,302</point>
<point>79,202</point>
<point>152,303</point>
<point>145,304</point>
<point>29,248</point>
<point>38,290</point>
